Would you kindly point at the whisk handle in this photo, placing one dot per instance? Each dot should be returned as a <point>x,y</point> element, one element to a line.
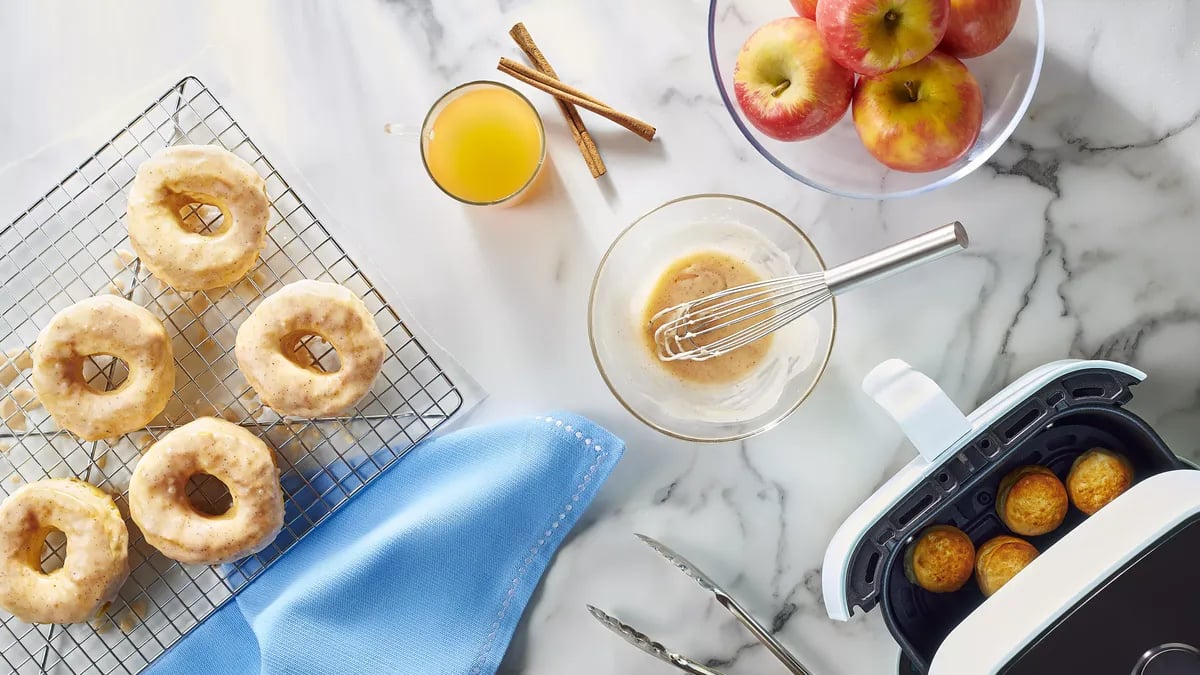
<point>921,249</point>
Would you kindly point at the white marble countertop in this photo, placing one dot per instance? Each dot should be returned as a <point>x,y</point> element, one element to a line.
<point>1084,227</point>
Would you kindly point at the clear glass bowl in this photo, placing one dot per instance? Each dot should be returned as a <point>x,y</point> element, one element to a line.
<point>836,162</point>
<point>798,354</point>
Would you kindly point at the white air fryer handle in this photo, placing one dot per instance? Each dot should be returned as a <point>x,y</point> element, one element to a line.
<point>928,417</point>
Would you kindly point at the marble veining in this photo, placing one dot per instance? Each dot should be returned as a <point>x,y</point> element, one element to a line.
<point>1084,244</point>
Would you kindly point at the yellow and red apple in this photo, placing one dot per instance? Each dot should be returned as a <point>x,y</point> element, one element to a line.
<point>978,26</point>
<point>921,118</point>
<point>786,83</point>
<point>805,8</point>
<point>872,37</point>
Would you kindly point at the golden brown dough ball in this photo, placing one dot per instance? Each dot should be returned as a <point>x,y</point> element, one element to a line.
<point>940,560</point>
<point>999,560</point>
<point>1031,501</point>
<point>1097,477</point>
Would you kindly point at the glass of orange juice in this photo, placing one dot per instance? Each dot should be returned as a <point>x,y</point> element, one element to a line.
<point>483,143</point>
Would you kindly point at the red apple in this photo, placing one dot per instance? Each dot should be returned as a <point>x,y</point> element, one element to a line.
<point>786,83</point>
<point>876,36</point>
<point>978,26</point>
<point>805,8</point>
<point>920,118</point>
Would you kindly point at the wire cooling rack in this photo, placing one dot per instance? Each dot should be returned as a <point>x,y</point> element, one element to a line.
<point>72,244</point>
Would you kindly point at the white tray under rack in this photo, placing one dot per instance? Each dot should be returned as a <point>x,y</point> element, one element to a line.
<point>73,244</point>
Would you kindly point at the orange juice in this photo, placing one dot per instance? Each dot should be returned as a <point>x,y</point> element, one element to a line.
<point>485,144</point>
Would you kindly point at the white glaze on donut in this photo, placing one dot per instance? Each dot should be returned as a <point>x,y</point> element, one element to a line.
<point>158,500</point>
<point>110,325</point>
<point>338,316</point>
<point>205,174</point>
<point>97,558</point>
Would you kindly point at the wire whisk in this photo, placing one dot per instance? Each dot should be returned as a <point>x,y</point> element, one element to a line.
<point>719,323</point>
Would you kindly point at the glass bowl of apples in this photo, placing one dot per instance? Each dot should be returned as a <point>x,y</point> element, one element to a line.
<point>876,99</point>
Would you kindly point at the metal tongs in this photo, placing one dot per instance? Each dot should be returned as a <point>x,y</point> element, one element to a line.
<point>658,651</point>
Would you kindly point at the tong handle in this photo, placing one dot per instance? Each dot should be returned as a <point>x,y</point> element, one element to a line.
<point>761,633</point>
<point>690,666</point>
<point>732,606</point>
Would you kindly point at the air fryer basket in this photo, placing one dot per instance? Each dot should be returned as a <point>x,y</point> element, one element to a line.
<point>920,620</point>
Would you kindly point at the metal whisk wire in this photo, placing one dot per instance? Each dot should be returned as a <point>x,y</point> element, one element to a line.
<point>761,308</point>
<point>779,301</point>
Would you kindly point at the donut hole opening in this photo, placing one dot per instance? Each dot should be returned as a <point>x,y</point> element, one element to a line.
<point>54,551</point>
<point>104,372</point>
<point>202,218</point>
<point>311,351</point>
<point>208,495</point>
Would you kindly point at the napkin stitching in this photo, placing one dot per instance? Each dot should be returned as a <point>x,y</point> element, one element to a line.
<point>533,551</point>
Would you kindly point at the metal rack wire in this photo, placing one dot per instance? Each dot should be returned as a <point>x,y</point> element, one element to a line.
<point>71,245</point>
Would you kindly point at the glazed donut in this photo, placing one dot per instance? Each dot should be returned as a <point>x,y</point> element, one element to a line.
<point>158,500</point>
<point>183,174</point>
<point>97,557</point>
<point>265,349</point>
<point>111,325</point>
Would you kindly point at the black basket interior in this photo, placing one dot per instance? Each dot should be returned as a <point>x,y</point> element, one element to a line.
<point>920,620</point>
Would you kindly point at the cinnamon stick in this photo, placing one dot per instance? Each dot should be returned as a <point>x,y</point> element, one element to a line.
<point>583,139</point>
<point>568,93</point>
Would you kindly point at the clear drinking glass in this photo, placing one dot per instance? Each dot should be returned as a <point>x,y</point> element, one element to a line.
<point>482,143</point>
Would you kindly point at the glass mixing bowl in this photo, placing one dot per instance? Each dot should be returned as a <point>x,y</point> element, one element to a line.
<point>836,162</point>
<point>745,229</point>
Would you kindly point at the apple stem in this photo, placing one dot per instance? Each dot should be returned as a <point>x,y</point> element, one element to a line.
<point>911,88</point>
<point>780,88</point>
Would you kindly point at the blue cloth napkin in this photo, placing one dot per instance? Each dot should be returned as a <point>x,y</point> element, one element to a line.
<point>426,571</point>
